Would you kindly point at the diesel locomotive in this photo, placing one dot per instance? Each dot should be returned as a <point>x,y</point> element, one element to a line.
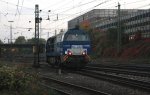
<point>71,49</point>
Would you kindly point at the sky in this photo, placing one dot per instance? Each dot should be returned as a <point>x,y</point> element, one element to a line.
<point>21,12</point>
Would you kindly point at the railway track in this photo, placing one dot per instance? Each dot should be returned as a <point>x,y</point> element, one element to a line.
<point>128,82</point>
<point>61,92</point>
<point>21,58</point>
<point>138,68</point>
<point>135,67</point>
<point>89,91</point>
<point>119,71</point>
<point>136,84</point>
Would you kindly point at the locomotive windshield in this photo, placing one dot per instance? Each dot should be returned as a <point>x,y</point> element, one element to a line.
<point>76,37</point>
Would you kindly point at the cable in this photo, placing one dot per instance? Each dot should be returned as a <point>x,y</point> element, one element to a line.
<point>77,6</point>
<point>143,6</point>
<point>17,10</point>
<point>53,5</point>
<point>69,8</point>
<point>134,2</point>
<point>86,10</point>
<point>20,12</point>
<point>46,12</point>
<point>15,4</point>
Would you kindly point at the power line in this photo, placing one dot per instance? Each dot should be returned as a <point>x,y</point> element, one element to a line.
<point>83,12</point>
<point>69,8</point>
<point>20,12</point>
<point>78,6</point>
<point>129,3</point>
<point>135,2</point>
<point>13,14</point>
<point>56,3</point>
<point>102,3</point>
<point>15,4</point>
<point>143,6</point>
<point>86,10</point>
<point>44,11</point>
<point>17,10</point>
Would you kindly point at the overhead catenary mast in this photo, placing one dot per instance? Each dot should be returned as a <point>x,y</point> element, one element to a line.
<point>36,47</point>
<point>119,32</point>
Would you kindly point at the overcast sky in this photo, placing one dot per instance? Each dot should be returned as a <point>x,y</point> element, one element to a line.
<point>22,11</point>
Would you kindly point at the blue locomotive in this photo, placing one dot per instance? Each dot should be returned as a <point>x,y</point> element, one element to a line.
<point>69,49</point>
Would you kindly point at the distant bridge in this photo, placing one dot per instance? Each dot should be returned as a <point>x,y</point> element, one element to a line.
<point>20,45</point>
<point>11,46</point>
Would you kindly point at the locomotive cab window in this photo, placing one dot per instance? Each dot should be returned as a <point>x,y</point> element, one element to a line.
<point>76,37</point>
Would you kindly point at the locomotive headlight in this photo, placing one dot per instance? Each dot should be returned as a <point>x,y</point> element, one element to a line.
<point>69,53</point>
<point>84,53</point>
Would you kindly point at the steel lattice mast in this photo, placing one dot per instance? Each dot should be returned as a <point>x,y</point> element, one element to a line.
<point>36,47</point>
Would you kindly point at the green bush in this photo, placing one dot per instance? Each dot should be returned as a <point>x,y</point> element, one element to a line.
<point>12,78</point>
<point>15,81</point>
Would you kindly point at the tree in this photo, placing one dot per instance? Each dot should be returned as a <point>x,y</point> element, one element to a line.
<point>42,41</point>
<point>20,40</point>
<point>33,41</point>
<point>1,42</point>
<point>112,35</point>
<point>98,41</point>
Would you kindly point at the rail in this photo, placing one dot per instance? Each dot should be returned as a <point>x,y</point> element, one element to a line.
<point>89,90</point>
<point>117,79</point>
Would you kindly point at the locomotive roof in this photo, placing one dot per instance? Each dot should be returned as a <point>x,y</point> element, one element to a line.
<point>73,31</point>
<point>56,35</point>
<point>70,31</point>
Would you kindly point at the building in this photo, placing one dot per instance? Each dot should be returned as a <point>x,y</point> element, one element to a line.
<point>133,20</point>
<point>92,17</point>
<point>99,15</point>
